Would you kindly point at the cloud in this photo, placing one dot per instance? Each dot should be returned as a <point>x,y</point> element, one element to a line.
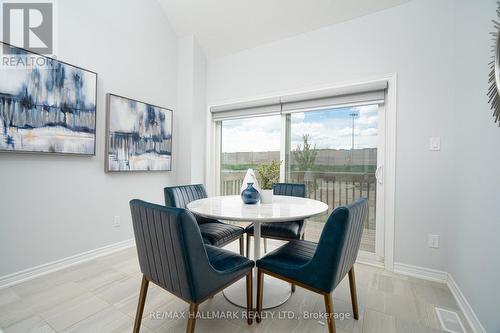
<point>251,134</point>
<point>334,130</point>
<point>326,130</point>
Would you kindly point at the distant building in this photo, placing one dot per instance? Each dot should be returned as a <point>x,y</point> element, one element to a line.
<point>332,157</point>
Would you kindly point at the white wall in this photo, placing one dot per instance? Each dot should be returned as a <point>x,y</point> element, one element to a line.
<point>198,133</point>
<point>475,220</point>
<point>53,207</point>
<point>185,86</point>
<point>440,51</point>
<point>191,115</point>
<point>409,39</point>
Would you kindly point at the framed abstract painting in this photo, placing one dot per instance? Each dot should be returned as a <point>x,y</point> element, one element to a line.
<point>46,105</point>
<point>138,136</point>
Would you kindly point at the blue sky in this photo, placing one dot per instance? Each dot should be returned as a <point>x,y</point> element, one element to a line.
<point>327,129</point>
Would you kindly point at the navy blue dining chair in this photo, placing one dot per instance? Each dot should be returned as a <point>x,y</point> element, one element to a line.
<point>281,230</point>
<point>214,232</point>
<point>173,256</point>
<point>321,266</point>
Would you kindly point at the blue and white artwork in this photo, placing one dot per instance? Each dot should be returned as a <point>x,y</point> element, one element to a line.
<point>139,136</point>
<point>46,105</point>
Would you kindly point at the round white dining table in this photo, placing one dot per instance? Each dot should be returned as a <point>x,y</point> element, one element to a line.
<point>282,209</point>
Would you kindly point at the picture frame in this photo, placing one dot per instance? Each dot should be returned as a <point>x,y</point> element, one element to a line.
<point>47,106</point>
<point>138,135</point>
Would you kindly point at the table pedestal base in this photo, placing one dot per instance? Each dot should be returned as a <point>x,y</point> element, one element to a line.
<point>276,292</point>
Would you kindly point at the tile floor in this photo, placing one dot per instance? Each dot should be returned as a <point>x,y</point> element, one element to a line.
<point>100,296</point>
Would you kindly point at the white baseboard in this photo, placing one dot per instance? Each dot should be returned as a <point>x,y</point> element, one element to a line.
<point>369,258</point>
<point>467,310</point>
<point>33,272</point>
<point>421,272</point>
<point>444,277</point>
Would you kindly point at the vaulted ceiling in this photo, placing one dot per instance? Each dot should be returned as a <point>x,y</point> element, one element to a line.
<point>227,26</point>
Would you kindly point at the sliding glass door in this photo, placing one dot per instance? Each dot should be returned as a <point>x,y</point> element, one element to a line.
<point>246,143</point>
<point>334,152</point>
<point>337,152</point>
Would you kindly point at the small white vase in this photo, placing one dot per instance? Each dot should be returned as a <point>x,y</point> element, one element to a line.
<point>266,196</point>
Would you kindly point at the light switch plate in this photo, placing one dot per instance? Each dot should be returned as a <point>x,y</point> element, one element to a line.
<point>435,144</point>
<point>433,241</point>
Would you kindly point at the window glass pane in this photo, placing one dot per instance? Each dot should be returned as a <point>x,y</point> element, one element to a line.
<point>334,152</point>
<point>245,144</point>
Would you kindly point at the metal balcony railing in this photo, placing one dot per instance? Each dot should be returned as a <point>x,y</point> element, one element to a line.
<point>333,188</point>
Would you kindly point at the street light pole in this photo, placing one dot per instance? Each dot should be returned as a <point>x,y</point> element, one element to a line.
<point>353,114</point>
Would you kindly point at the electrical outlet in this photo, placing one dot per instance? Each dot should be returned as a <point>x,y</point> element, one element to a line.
<point>116,221</point>
<point>435,144</point>
<point>433,241</point>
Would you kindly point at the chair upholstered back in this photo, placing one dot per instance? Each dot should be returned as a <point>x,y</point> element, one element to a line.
<point>170,249</point>
<point>291,190</point>
<point>339,244</point>
<point>180,196</point>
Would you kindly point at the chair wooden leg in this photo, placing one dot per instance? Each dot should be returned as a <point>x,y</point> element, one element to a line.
<point>249,298</point>
<point>242,245</point>
<point>260,295</point>
<point>302,237</point>
<point>265,244</point>
<point>193,309</point>
<point>329,313</point>
<point>248,245</point>
<point>140,305</point>
<point>354,295</point>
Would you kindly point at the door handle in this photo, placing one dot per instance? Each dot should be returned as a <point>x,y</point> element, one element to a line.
<point>379,175</point>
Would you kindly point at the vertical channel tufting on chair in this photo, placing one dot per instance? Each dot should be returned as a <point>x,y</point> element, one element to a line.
<point>214,232</point>
<point>180,196</point>
<point>159,243</point>
<point>320,267</point>
<point>339,242</point>
<point>172,255</point>
<point>281,230</point>
<point>352,240</point>
<point>289,189</point>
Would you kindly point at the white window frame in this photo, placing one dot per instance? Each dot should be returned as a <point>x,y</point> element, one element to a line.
<point>386,163</point>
